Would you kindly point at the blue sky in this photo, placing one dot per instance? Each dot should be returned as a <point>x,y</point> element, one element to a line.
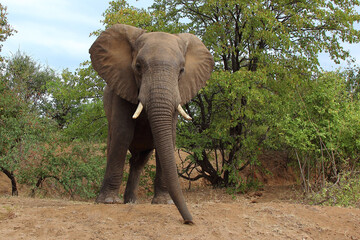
<point>56,32</point>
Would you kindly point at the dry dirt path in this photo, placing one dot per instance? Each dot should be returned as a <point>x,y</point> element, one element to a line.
<point>247,217</point>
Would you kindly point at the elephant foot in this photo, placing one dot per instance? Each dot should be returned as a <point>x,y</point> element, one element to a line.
<point>162,198</point>
<point>108,198</point>
<point>130,198</point>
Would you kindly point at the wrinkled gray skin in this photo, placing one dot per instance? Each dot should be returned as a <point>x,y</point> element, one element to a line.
<point>161,71</point>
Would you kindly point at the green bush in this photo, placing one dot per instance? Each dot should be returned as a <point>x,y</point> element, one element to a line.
<point>319,123</point>
<point>229,127</point>
<point>344,192</point>
<point>72,169</point>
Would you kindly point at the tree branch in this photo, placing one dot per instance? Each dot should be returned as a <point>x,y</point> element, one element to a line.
<point>11,176</point>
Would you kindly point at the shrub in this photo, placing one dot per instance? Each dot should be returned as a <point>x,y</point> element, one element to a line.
<point>344,192</point>
<point>71,169</point>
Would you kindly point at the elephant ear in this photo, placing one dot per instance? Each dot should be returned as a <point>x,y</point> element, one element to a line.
<point>111,57</point>
<point>199,64</point>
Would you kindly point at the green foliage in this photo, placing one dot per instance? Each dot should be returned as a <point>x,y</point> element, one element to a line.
<point>158,19</point>
<point>227,130</point>
<point>121,12</point>
<point>76,104</point>
<point>250,33</point>
<point>19,120</point>
<point>28,78</point>
<point>344,192</point>
<point>20,127</point>
<point>352,78</point>
<point>5,29</point>
<point>319,121</point>
<point>33,149</point>
<point>72,169</point>
<point>89,123</point>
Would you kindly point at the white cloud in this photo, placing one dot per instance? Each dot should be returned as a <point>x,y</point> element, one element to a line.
<point>59,39</point>
<point>65,11</point>
<point>57,30</point>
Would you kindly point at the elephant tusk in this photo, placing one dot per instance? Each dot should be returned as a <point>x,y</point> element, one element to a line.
<point>138,111</point>
<point>183,113</point>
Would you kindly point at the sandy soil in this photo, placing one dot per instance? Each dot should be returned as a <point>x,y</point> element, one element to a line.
<point>267,214</point>
<point>272,213</point>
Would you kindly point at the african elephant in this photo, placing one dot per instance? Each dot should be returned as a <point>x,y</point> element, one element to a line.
<point>157,72</point>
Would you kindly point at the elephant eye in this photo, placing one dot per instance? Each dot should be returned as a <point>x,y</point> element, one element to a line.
<point>181,71</point>
<point>138,67</point>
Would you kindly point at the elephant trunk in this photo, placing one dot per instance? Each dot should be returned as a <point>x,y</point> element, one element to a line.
<point>161,112</point>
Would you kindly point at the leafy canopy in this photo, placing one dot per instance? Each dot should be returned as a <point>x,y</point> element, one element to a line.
<point>5,29</point>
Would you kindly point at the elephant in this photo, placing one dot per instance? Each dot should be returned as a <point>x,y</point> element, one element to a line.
<point>149,76</point>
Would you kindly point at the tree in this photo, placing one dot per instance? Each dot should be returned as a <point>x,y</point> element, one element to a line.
<point>160,19</point>
<point>320,124</point>
<point>5,29</point>
<point>76,103</point>
<point>217,152</point>
<point>18,127</point>
<point>352,77</point>
<point>72,169</point>
<point>270,45</point>
<point>247,34</point>
<point>23,124</point>
<point>39,113</point>
<point>28,78</point>
<point>9,129</point>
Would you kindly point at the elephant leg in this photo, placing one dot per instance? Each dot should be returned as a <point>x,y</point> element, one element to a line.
<point>161,195</point>
<point>113,176</point>
<point>120,135</point>
<point>137,163</point>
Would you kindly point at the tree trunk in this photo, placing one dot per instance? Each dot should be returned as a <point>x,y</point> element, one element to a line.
<point>14,190</point>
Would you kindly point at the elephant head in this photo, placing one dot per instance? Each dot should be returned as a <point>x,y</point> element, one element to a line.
<point>159,72</point>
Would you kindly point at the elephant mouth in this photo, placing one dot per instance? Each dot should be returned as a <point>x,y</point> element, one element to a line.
<point>179,108</point>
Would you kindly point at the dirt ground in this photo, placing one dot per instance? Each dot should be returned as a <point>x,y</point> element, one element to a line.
<point>272,213</point>
<point>267,214</point>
